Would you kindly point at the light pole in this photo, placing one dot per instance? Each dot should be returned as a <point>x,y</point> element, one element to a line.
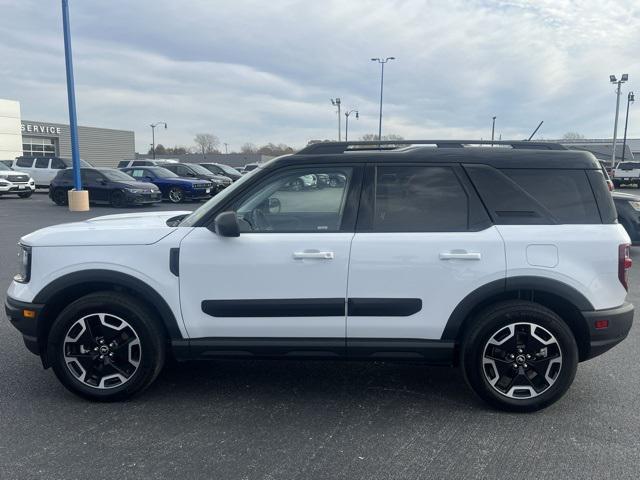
<point>336,103</point>
<point>493,129</point>
<point>614,80</point>
<point>153,136</point>
<point>630,100</point>
<point>346,123</point>
<point>381,62</point>
<point>226,148</point>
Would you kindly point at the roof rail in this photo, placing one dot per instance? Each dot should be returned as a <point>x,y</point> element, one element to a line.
<point>385,145</point>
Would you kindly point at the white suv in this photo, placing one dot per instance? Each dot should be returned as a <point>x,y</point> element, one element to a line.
<point>15,183</point>
<point>508,262</point>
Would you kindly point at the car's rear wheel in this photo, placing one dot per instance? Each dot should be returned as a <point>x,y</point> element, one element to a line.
<point>60,196</point>
<point>176,195</point>
<point>25,194</point>
<point>106,346</point>
<point>519,356</point>
<point>117,199</point>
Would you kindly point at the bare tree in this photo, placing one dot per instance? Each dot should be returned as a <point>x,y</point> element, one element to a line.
<point>274,150</point>
<point>207,143</point>
<point>573,136</point>
<point>249,148</point>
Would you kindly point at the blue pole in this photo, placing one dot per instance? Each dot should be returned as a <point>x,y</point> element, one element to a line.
<point>71,96</point>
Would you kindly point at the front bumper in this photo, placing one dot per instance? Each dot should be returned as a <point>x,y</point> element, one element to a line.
<point>17,188</point>
<point>198,193</point>
<point>16,312</point>
<point>143,198</point>
<point>620,320</point>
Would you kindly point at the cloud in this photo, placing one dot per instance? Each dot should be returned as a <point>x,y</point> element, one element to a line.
<point>255,71</point>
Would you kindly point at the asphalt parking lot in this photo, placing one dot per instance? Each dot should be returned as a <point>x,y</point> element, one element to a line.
<point>285,420</point>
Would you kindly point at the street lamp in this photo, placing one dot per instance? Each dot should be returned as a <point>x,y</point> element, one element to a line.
<point>336,103</point>
<point>493,129</point>
<point>630,100</point>
<point>346,123</point>
<point>153,136</point>
<point>381,62</point>
<point>614,80</point>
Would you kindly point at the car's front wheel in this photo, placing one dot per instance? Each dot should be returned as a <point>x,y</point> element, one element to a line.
<point>106,346</point>
<point>118,199</point>
<point>519,356</point>
<point>60,196</point>
<point>176,195</point>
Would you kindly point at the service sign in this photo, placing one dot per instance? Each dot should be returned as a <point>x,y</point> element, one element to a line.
<point>31,128</point>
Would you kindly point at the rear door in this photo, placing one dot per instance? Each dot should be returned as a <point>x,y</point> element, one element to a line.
<point>423,243</point>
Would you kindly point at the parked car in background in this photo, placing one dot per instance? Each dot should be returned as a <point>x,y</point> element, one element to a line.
<point>107,186</point>
<point>224,170</point>
<point>249,166</point>
<point>15,183</point>
<point>628,208</point>
<point>193,170</point>
<point>174,188</point>
<point>146,163</point>
<point>44,169</point>
<point>626,173</point>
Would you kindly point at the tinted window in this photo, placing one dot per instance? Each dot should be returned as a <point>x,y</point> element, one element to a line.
<point>57,164</point>
<point>296,201</point>
<point>91,176</point>
<point>629,166</point>
<point>115,175</point>
<point>123,163</point>
<point>565,193</point>
<point>419,199</point>
<point>141,163</point>
<point>42,163</point>
<point>183,171</point>
<point>24,162</point>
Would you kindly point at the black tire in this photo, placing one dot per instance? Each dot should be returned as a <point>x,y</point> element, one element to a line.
<point>176,195</point>
<point>25,194</point>
<point>497,320</point>
<point>150,349</point>
<point>117,199</point>
<point>60,197</point>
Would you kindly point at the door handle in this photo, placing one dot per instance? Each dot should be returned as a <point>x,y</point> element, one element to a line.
<point>313,254</point>
<point>460,255</point>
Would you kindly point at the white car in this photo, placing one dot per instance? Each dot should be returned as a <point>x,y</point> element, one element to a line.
<point>15,183</point>
<point>626,173</point>
<point>44,169</point>
<point>508,262</point>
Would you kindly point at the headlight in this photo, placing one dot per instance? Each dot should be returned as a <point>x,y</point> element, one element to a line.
<point>635,206</point>
<point>134,190</point>
<point>3,182</point>
<point>31,182</point>
<point>24,264</point>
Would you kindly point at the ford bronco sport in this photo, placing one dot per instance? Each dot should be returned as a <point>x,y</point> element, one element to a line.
<point>506,261</point>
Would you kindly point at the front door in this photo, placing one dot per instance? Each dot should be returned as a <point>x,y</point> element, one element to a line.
<point>96,184</point>
<point>285,276</point>
<point>425,244</point>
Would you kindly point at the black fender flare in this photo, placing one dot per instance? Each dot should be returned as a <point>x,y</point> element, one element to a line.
<point>511,284</point>
<point>83,277</point>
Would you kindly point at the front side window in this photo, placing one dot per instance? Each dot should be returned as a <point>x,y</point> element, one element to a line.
<point>419,199</point>
<point>91,176</point>
<point>42,163</point>
<point>24,162</point>
<point>296,201</point>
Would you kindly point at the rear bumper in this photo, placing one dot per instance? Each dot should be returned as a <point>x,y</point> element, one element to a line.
<point>620,320</point>
<point>27,326</point>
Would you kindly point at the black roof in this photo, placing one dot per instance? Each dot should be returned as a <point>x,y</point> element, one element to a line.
<point>504,154</point>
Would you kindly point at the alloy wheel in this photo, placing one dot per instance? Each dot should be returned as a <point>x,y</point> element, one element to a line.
<point>522,360</point>
<point>102,350</point>
<point>176,195</point>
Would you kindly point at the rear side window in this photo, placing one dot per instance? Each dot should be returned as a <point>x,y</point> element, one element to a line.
<point>123,163</point>
<point>419,199</point>
<point>535,196</point>
<point>629,166</point>
<point>58,164</point>
<point>24,162</point>
<point>565,193</point>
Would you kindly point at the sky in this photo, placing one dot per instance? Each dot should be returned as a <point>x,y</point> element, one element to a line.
<point>265,71</point>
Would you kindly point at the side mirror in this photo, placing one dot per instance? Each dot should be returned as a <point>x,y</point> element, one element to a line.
<point>148,179</point>
<point>226,225</point>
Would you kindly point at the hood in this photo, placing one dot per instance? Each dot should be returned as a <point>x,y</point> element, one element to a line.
<point>135,184</point>
<point>6,173</point>
<point>122,229</point>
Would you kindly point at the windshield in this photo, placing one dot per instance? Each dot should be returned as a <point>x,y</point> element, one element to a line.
<point>3,166</point>
<point>228,169</point>
<point>163,173</point>
<point>200,169</point>
<point>116,175</point>
<point>69,163</point>
<point>197,214</point>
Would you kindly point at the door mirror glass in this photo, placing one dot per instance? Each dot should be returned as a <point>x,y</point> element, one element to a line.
<point>226,225</point>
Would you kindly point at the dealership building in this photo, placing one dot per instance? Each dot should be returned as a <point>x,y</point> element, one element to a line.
<point>102,147</point>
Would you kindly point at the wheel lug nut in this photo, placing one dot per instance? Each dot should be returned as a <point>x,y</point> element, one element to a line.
<point>525,365</point>
<point>515,365</point>
<point>111,354</point>
<point>528,356</point>
<point>511,356</point>
<point>519,350</point>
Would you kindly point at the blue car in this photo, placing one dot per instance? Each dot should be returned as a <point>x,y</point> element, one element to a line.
<point>174,188</point>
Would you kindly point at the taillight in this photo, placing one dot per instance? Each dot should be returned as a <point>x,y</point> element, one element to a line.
<point>624,264</point>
